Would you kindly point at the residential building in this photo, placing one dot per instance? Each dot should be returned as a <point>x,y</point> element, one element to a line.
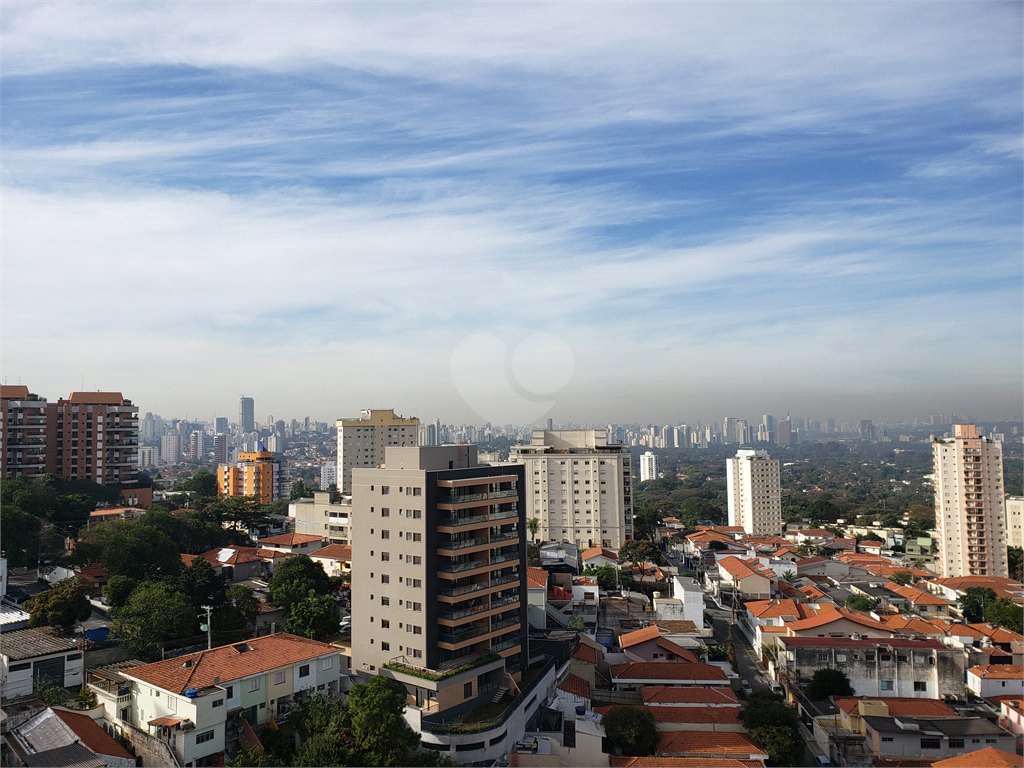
<point>708,746</point>
<point>875,666</point>
<point>989,757</point>
<point>335,558</point>
<point>996,680</point>
<point>1014,521</point>
<point>967,470</point>
<point>754,492</point>
<point>634,675</point>
<point>220,425</point>
<point>220,448</point>
<point>254,474</point>
<point>325,514</point>
<point>328,476</point>
<point>579,486</point>
<point>24,446</point>
<point>96,437</point>
<point>439,586</point>
<point>361,442</point>
<point>294,543</point>
<point>246,415</point>
<point>648,467</point>
<point>186,701</point>
<point>892,738</point>
<point>196,445</point>
<point>741,580</point>
<point>60,737</point>
<point>38,654</point>
<point>149,456</point>
<point>170,448</point>
<point>649,644</point>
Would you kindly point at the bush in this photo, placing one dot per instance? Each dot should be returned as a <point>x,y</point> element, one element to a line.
<point>828,682</point>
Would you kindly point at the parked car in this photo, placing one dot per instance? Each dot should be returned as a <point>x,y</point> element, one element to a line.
<point>345,624</point>
<point>746,687</point>
<point>775,688</point>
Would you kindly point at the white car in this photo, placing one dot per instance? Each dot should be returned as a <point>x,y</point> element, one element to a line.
<point>746,687</point>
<point>345,623</point>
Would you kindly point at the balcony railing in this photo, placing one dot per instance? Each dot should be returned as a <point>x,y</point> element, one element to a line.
<point>504,494</point>
<point>465,589</point>
<point>504,623</point>
<point>495,559</point>
<point>461,498</point>
<point>504,536</point>
<point>504,515</point>
<point>460,567</point>
<point>454,522</point>
<point>495,647</point>
<point>502,601</point>
<point>498,581</point>
<point>461,544</point>
<point>463,612</point>
<point>461,637</point>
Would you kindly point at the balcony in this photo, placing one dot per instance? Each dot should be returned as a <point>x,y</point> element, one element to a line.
<point>461,544</point>
<point>505,645</point>
<point>455,638</point>
<point>461,498</point>
<point>460,567</point>
<point>455,522</point>
<point>464,612</point>
<point>504,536</point>
<point>504,515</point>
<point>465,589</point>
<point>495,626</point>
<point>497,582</point>
<point>504,494</point>
<point>506,557</point>
<point>503,601</point>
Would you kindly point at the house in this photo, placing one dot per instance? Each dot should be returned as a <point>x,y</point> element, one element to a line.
<point>836,621</point>
<point>648,644</point>
<point>191,701</point>
<point>875,666</point>
<point>746,578</point>
<point>989,757</point>
<point>572,692</point>
<point>600,556</point>
<point>633,675</point>
<point>916,737</point>
<point>294,543</point>
<point>537,591</point>
<point>666,696</point>
<point>996,680</point>
<point>690,718</point>
<point>38,654</point>
<point>1011,718</point>
<point>236,563</point>
<point>814,536</point>
<point>709,745</point>
<point>58,737</point>
<point>924,603</point>
<point>106,514</point>
<point>335,558</point>
<point>955,587</point>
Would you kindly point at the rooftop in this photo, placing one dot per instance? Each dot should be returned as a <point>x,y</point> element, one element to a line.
<point>668,670</point>
<point>657,694</point>
<point>334,552</point>
<point>871,642</point>
<point>576,686</point>
<point>990,757</point>
<point>900,707</point>
<point>998,672</point>
<point>30,643</point>
<point>709,742</point>
<point>291,539</point>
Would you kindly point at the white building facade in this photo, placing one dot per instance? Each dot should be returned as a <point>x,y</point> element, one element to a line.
<point>754,491</point>
<point>648,467</point>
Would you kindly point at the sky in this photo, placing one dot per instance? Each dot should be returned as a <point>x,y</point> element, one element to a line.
<point>596,212</point>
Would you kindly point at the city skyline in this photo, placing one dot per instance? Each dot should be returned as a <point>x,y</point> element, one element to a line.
<point>706,209</point>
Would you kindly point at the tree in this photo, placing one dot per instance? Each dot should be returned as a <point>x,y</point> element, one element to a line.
<point>637,551</point>
<point>533,555</point>
<point>577,623</point>
<point>202,584</point>
<point>872,536</point>
<point>316,617</point>
<point>1006,613</point>
<point>789,576</point>
<point>828,682</point>
<point>86,698</point>
<point>301,491</point>
<point>783,745</point>
<point>378,731</point>
<point>118,589</point>
<point>294,579</point>
<point>64,603</point>
<point>129,549</point>
<point>631,731</point>
<point>903,578</point>
<point>974,602</point>
<point>1015,562</point>
<point>244,600</point>
<point>21,535</point>
<point>533,525</point>
<point>202,483</point>
<point>258,758</point>
<point>608,576</point>
<point>240,512</point>
<point>47,692</point>
<point>860,603</point>
<point>154,614</point>
<point>766,709</point>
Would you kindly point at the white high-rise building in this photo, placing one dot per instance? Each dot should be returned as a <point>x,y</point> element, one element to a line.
<point>170,448</point>
<point>328,476</point>
<point>578,486</point>
<point>361,441</point>
<point>755,494</point>
<point>1015,521</point>
<point>968,474</point>
<point>648,467</point>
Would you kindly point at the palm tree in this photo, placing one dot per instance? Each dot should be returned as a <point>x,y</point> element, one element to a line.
<point>533,525</point>
<point>789,576</point>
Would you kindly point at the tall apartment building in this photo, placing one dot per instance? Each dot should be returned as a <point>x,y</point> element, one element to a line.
<point>1014,521</point>
<point>361,442</point>
<point>254,474</point>
<point>246,415</point>
<point>24,433</point>
<point>439,576</point>
<point>328,476</point>
<point>220,425</point>
<point>968,473</point>
<point>220,448</point>
<point>648,467</point>
<point>170,448</point>
<point>578,486</point>
<point>754,491</point>
<point>149,456</point>
<point>96,436</point>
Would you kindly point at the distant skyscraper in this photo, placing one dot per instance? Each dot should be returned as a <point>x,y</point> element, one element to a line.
<point>247,415</point>
<point>195,445</point>
<point>328,476</point>
<point>221,425</point>
<point>170,448</point>
<point>648,467</point>
<point>754,492</point>
<point>149,455</point>
<point>361,442</point>
<point>968,475</point>
<point>220,448</point>
<point>783,433</point>
<point>551,424</point>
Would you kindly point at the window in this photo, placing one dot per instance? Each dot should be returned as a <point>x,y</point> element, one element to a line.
<point>205,736</point>
<point>279,678</point>
<point>416,583</point>
<point>19,667</point>
<point>823,658</point>
<point>956,743</point>
<point>327,663</point>
<point>172,703</point>
<point>416,653</point>
<point>384,646</point>
<point>385,534</point>
<point>384,624</point>
<point>384,556</point>
<point>413,606</point>
<point>217,703</point>
<point>417,492</point>
<point>254,684</point>
<point>385,600</point>
<point>931,743</point>
<point>385,490</point>
<point>887,738</point>
<point>467,690</point>
<point>920,686</point>
<point>385,511</point>
<point>385,579</point>
<point>231,691</point>
<point>885,685</point>
<point>417,560</point>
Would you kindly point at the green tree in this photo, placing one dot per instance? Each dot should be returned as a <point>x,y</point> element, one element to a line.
<point>637,551</point>
<point>577,623</point>
<point>1015,562</point>
<point>244,600</point>
<point>783,745</point>
<point>765,709</point>
<point>316,617</point>
<point>202,483</point>
<point>789,576</point>
<point>192,531</point>
<point>294,579</point>
<point>860,603</point>
<point>608,576</point>
<point>1006,613</point>
<point>118,589</point>
<point>202,584</point>
<point>64,603</point>
<point>71,512</point>
<point>533,525</point>
<point>631,731</point>
<point>828,682</point>
<point>301,491</point>
<point>86,698</point>
<point>154,614</point>
<point>21,535</point>
<point>903,578</point>
<point>379,733</point>
<point>258,758</point>
<point>240,512</point>
<point>48,693</point>
<point>974,602</point>
<point>129,549</point>
<point>533,555</point>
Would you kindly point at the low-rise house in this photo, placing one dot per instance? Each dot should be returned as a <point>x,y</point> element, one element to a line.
<point>996,680</point>
<point>632,676</point>
<point>335,558</point>
<point>816,536</point>
<point>106,514</point>
<point>1011,718</point>
<point>666,696</point>
<point>921,601</point>
<point>600,556</point>
<point>60,737</point>
<point>915,737</point>
<point>236,563</point>
<point>38,654</point>
<point>955,587</point>
<point>190,702</point>
<point>649,644</point>
<point>690,718</point>
<point>572,692</point>
<point>745,579</point>
<point>835,621</point>
<point>875,666</point>
<point>989,757</point>
<point>537,598</point>
<point>709,745</point>
<point>294,543</point>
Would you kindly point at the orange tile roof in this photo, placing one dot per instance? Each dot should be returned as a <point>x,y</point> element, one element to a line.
<point>615,761</point>
<point>265,552</point>
<point>998,671</point>
<point>341,552</point>
<point>914,595</point>
<point>700,715</point>
<point>901,707</point>
<point>742,569</point>
<point>708,536</point>
<point>997,633</point>
<point>229,663</point>
<point>990,757</point>
<point>599,552</point>
<point>630,639</point>
<point>92,735</point>
<point>585,653</point>
<point>237,556</point>
<point>709,742</point>
<point>773,609</point>
<point>291,539</point>
<point>829,613</point>
<point>667,645</point>
<point>911,625</point>
<point>667,670</point>
<point>576,686</point>
<point>660,694</point>
<point>536,578</point>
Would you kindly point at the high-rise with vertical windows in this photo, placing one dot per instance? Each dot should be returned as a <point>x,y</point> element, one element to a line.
<point>648,467</point>
<point>967,470</point>
<point>1014,521</point>
<point>578,486</point>
<point>246,415</point>
<point>361,442</point>
<point>439,576</point>
<point>24,432</point>
<point>754,492</point>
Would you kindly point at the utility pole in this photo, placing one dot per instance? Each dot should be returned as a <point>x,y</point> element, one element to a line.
<point>208,627</point>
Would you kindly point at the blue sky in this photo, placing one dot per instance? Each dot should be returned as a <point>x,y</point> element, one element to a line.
<point>714,208</point>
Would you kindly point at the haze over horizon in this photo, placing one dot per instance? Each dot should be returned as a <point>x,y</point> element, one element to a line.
<point>684,210</point>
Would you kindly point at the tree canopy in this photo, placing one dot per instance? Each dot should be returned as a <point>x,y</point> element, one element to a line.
<point>316,617</point>
<point>776,726</point>
<point>903,578</point>
<point>294,579</point>
<point>631,731</point>
<point>860,603</point>
<point>154,613</point>
<point>828,682</point>
<point>1006,613</point>
<point>974,602</point>
<point>64,603</point>
<point>637,551</point>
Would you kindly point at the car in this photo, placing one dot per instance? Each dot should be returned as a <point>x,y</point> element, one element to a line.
<point>345,623</point>
<point>746,687</point>
<point>774,687</point>
<point>823,761</point>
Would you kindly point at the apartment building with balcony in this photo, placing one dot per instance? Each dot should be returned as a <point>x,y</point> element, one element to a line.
<point>439,585</point>
<point>255,474</point>
<point>362,441</point>
<point>969,509</point>
<point>24,433</point>
<point>579,486</point>
<point>326,514</point>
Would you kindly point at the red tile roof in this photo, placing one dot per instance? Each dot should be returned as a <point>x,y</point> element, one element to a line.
<point>229,662</point>
<point>536,578</point>
<point>699,715</point>
<point>668,670</point>
<point>599,552</point>
<point>232,556</point>
<point>846,642</point>
<point>614,761</point>
<point>334,552</point>
<point>291,539</point>
<point>576,686</point>
<point>639,636</point>
<point>585,653</point>
<point>774,609</point>
<point>911,625</point>
<point>998,672</point>
<point>914,595</point>
<point>92,735</point>
<point>742,569</point>
<point>901,707</point>
<point>997,633</point>
<point>990,757</point>
<point>829,614</point>
<point>667,645</point>
<point>659,694</point>
<point>708,742</point>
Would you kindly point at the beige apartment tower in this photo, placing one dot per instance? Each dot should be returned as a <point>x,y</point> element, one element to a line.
<point>1015,521</point>
<point>361,442</point>
<point>968,473</point>
<point>754,492</point>
<point>439,577</point>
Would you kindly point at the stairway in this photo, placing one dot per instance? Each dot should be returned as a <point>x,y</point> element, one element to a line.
<point>498,694</point>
